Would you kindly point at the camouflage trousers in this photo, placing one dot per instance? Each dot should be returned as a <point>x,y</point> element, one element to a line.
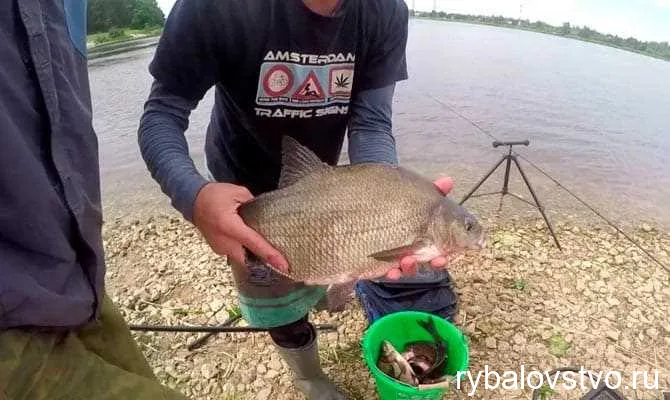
<point>100,361</point>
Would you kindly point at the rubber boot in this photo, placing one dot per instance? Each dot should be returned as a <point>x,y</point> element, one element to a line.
<point>308,376</point>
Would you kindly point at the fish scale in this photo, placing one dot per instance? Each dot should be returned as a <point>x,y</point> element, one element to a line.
<point>331,221</point>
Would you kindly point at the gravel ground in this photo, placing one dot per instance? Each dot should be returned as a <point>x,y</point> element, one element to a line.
<point>601,304</point>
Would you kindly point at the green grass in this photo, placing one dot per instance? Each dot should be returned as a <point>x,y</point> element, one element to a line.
<point>120,35</point>
<point>350,354</point>
<point>351,374</point>
<point>558,346</point>
<point>545,392</point>
<point>519,284</point>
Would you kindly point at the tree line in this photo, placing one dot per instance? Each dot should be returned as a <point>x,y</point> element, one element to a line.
<point>654,49</point>
<point>108,15</point>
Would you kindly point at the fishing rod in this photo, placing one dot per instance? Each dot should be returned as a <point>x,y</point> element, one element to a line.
<point>212,329</point>
<point>201,342</point>
<point>593,209</point>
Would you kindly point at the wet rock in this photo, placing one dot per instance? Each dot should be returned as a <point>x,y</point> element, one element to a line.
<point>652,332</point>
<point>519,339</point>
<point>248,376</point>
<point>208,370</point>
<point>216,305</point>
<point>275,364</point>
<point>271,374</point>
<point>264,394</point>
<point>503,346</point>
<point>259,383</point>
<point>261,369</point>
<point>648,288</point>
<point>613,302</point>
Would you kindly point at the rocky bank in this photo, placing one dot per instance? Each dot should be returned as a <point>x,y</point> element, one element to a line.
<point>600,303</point>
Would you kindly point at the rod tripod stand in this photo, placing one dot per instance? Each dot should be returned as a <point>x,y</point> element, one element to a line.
<point>509,157</point>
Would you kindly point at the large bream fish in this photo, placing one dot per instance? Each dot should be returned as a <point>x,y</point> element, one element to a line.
<point>337,224</point>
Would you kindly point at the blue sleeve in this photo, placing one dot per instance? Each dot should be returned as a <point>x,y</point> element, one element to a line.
<point>370,128</point>
<point>164,148</point>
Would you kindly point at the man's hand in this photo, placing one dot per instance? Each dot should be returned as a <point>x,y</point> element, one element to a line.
<point>215,215</point>
<point>407,265</point>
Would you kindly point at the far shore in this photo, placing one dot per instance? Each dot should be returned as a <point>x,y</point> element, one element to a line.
<point>120,41</point>
<point>478,20</point>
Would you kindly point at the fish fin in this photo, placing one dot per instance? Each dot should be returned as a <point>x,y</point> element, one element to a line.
<point>393,255</point>
<point>297,161</point>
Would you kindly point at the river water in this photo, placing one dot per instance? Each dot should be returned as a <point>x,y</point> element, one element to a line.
<point>598,120</point>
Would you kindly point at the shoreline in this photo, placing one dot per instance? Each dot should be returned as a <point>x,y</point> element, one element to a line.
<point>122,46</point>
<point>530,29</point>
<point>145,201</point>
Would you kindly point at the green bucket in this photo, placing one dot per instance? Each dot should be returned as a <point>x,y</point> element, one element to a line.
<point>400,328</point>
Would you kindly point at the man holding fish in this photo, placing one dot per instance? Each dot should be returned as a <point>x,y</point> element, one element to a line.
<point>309,69</point>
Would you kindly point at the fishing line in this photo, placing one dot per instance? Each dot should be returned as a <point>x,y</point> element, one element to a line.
<point>593,209</point>
<point>596,212</point>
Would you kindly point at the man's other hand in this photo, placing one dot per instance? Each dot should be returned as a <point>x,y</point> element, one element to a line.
<point>215,215</point>
<point>407,265</point>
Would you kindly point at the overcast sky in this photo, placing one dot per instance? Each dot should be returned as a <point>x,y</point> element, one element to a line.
<point>643,19</point>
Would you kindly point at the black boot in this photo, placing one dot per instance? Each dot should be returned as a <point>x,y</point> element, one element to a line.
<point>308,376</point>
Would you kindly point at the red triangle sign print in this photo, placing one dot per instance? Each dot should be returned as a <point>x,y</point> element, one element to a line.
<point>310,89</point>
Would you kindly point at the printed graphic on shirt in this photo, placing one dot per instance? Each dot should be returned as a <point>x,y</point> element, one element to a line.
<point>310,90</point>
<point>311,85</point>
<point>340,82</point>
